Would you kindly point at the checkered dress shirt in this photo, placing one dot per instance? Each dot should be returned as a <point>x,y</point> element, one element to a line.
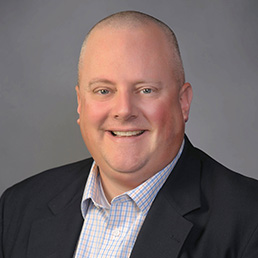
<point>111,230</point>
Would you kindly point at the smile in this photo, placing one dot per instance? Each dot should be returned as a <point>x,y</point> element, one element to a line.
<point>126,133</point>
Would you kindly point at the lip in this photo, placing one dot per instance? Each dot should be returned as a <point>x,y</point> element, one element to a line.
<point>130,133</point>
<point>126,134</point>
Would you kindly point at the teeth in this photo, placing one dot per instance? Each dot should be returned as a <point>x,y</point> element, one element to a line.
<point>127,134</point>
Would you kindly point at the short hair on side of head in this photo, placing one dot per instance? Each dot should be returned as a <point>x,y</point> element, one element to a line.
<point>134,19</point>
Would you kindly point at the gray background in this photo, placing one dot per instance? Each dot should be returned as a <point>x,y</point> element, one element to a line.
<point>39,48</point>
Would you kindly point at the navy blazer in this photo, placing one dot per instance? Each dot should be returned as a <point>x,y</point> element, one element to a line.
<point>203,210</point>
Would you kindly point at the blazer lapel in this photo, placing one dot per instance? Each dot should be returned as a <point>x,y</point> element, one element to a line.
<point>165,228</point>
<point>163,232</point>
<point>56,235</point>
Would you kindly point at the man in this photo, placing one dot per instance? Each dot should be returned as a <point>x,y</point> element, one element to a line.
<point>147,192</point>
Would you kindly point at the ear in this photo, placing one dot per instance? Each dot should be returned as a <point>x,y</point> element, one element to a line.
<point>78,102</point>
<point>185,98</point>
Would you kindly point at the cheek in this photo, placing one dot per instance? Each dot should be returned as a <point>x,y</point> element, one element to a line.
<point>92,118</point>
<point>165,116</point>
<point>93,113</point>
<point>159,112</point>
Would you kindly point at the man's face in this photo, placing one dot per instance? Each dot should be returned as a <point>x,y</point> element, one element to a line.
<point>132,110</point>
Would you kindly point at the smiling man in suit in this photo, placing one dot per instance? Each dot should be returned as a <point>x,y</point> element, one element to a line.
<point>147,192</point>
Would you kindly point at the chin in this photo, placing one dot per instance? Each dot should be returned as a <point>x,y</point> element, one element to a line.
<point>127,167</point>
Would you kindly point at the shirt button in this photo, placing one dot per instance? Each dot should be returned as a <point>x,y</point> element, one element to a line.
<point>116,233</point>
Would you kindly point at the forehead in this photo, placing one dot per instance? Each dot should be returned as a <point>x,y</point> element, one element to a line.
<point>146,41</point>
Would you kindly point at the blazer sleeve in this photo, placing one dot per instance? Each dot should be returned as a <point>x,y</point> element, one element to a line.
<point>5,222</point>
<point>2,225</point>
<point>251,249</point>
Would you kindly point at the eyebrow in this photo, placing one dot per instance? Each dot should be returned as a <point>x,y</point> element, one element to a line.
<point>158,83</point>
<point>106,81</point>
<point>98,80</point>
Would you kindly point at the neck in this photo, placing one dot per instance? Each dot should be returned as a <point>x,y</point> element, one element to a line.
<point>113,188</point>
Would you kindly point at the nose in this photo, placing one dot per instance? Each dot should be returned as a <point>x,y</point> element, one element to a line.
<point>125,106</point>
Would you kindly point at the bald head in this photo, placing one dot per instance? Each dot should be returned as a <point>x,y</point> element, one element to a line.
<point>133,20</point>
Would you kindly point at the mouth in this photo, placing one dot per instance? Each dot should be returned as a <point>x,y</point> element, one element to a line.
<point>127,133</point>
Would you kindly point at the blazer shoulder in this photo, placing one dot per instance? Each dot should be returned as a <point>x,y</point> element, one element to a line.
<point>231,186</point>
<point>39,199</point>
<point>50,181</point>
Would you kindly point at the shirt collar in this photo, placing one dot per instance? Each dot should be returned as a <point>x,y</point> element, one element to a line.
<point>92,190</point>
<point>143,195</point>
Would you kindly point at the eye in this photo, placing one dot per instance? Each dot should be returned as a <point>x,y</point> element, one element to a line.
<point>147,91</point>
<point>103,91</point>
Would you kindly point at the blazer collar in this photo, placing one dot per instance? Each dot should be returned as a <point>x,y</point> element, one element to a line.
<point>165,228</point>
